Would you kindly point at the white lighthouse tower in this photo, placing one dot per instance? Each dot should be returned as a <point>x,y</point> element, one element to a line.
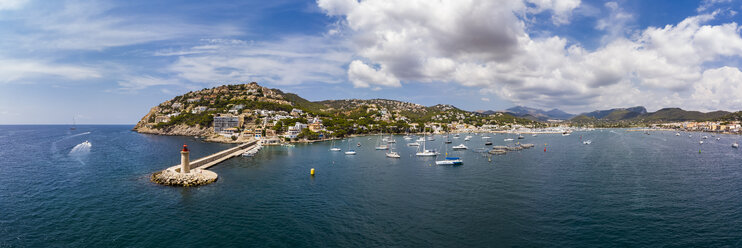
<point>185,163</point>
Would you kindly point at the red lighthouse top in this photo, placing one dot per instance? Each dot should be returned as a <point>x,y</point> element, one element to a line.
<point>185,148</point>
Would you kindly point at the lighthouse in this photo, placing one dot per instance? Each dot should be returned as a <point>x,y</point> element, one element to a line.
<point>185,163</point>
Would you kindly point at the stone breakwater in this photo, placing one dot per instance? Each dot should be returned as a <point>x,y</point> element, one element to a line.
<point>173,177</point>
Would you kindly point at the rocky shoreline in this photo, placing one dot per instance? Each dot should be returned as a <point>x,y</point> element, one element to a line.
<point>172,177</point>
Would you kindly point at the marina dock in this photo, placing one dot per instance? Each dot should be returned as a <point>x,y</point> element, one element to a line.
<point>182,174</point>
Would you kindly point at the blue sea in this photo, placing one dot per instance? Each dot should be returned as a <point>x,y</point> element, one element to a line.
<point>626,189</point>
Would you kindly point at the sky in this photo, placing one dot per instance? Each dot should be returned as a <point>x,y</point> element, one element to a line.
<point>108,62</point>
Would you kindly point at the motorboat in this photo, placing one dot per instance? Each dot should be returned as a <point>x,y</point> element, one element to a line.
<point>700,142</point>
<point>705,137</point>
<point>350,152</point>
<point>392,155</point>
<point>413,144</point>
<point>382,147</point>
<point>450,161</point>
<point>735,145</point>
<point>587,142</point>
<point>677,134</point>
<point>467,138</point>
<point>521,137</point>
<point>508,139</point>
<point>460,147</point>
<point>488,143</point>
<point>486,137</point>
<point>426,153</point>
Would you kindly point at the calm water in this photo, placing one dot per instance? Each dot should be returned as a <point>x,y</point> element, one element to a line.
<point>625,189</point>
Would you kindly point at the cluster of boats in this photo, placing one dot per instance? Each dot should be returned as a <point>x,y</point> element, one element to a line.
<point>253,151</point>
<point>387,143</point>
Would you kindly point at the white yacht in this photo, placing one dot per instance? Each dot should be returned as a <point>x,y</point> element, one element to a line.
<point>425,152</point>
<point>460,147</point>
<point>334,148</point>
<point>450,161</point>
<point>350,151</point>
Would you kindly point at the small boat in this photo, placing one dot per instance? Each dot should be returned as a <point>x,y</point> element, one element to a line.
<point>426,153</point>
<point>735,145</point>
<point>485,137</point>
<point>450,161</point>
<point>460,147</point>
<point>677,134</point>
<point>508,139</point>
<point>392,153</point>
<point>690,135</point>
<point>700,142</point>
<point>718,138</point>
<point>565,134</point>
<point>521,137</point>
<point>407,137</point>
<point>488,143</point>
<point>413,144</point>
<point>74,124</point>
<point>534,135</point>
<point>587,142</point>
<point>334,148</point>
<point>421,139</point>
<point>431,138</point>
<point>705,137</point>
<point>351,151</point>
<point>359,144</point>
<point>467,138</point>
<point>382,147</point>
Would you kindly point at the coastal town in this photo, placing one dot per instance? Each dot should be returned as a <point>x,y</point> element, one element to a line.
<point>238,113</point>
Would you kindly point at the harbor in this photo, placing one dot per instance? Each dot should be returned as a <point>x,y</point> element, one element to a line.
<point>195,173</point>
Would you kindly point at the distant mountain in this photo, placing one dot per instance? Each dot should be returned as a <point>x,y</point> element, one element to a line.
<point>640,114</point>
<point>538,114</point>
<point>617,113</point>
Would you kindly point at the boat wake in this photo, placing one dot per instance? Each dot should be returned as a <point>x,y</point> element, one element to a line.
<point>81,148</point>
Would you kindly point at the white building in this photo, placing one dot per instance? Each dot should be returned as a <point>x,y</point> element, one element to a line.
<point>222,123</point>
<point>198,110</point>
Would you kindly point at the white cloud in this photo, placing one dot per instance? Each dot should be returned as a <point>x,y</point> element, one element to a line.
<point>486,44</point>
<point>18,70</point>
<point>12,4</point>
<point>719,88</point>
<point>289,61</point>
<point>562,9</point>
<point>706,4</point>
<point>134,83</point>
<point>363,76</point>
<point>73,25</point>
<point>484,99</point>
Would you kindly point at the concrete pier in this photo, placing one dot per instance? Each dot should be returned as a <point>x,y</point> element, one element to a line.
<point>195,173</point>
